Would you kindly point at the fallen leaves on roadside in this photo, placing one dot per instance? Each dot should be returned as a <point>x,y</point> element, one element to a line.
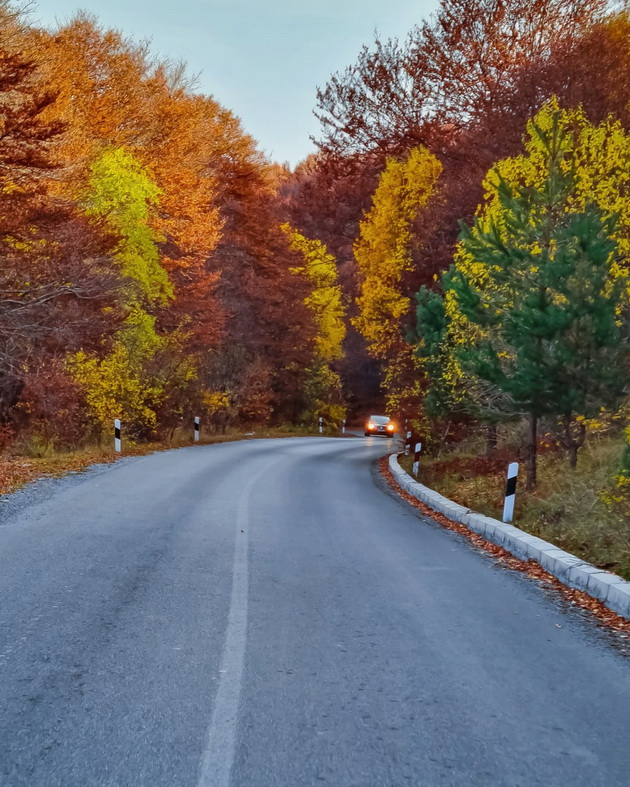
<point>16,472</point>
<point>534,570</point>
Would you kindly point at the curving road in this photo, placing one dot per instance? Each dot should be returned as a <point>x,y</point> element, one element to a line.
<point>265,613</point>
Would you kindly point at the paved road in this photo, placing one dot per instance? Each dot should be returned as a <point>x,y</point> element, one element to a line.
<point>263,613</point>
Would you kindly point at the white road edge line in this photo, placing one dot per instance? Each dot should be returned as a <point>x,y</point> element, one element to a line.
<point>218,755</point>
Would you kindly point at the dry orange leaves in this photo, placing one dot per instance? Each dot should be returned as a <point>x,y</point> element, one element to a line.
<point>16,472</point>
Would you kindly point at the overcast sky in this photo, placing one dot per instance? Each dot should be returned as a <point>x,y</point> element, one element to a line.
<point>263,59</point>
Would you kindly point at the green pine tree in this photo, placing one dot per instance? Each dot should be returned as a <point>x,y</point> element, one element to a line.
<point>552,310</point>
<point>446,397</point>
<point>431,339</point>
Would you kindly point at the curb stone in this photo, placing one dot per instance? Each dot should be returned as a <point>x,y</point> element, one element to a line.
<point>609,588</point>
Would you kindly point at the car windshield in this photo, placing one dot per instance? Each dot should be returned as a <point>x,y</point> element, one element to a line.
<point>380,420</point>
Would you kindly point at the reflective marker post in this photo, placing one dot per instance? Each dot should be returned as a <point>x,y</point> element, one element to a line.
<point>510,492</point>
<point>408,444</point>
<point>197,423</point>
<point>343,426</point>
<point>321,425</point>
<point>416,459</point>
<point>117,440</point>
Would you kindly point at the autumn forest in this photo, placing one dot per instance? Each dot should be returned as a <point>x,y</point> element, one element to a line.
<point>456,252</point>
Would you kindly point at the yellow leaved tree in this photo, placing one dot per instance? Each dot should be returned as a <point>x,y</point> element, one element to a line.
<point>123,384</point>
<point>324,389</point>
<point>383,255</point>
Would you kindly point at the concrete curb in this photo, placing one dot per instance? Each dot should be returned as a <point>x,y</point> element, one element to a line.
<point>569,569</point>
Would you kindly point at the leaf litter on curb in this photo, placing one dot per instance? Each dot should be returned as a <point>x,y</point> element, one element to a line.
<point>577,598</point>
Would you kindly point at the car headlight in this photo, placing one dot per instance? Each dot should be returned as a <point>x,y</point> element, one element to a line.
<point>390,427</point>
<point>370,426</point>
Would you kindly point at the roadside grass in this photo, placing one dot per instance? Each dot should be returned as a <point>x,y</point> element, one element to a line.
<point>567,508</point>
<point>34,458</point>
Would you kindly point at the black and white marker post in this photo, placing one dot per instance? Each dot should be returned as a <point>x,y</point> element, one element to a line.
<point>510,492</point>
<point>197,422</point>
<point>416,459</point>
<point>343,426</point>
<point>408,444</point>
<point>321,425</point>
<point>117,441</point>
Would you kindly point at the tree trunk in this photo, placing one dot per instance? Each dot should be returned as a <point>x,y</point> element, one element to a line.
<point>532,451</point>
<point>572,443</point>
<point>491,439</point>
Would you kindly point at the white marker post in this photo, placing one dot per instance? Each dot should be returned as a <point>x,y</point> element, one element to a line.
<point>321,425</point>
<point>416,459</point>
<point>510,492</point>
<point>343,426</point>
<point>408,444</point>
<point>197,422</point>
<point>117,441</point>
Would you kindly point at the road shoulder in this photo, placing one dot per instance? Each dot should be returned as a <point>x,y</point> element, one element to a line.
<point>607,596</point>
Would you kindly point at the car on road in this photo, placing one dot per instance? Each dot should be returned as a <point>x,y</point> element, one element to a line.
<point>380,425</point>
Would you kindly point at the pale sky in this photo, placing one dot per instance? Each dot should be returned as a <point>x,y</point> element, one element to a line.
<point>263,59</point>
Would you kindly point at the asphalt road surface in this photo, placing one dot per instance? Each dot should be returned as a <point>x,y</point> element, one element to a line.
<point>265,613</point>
